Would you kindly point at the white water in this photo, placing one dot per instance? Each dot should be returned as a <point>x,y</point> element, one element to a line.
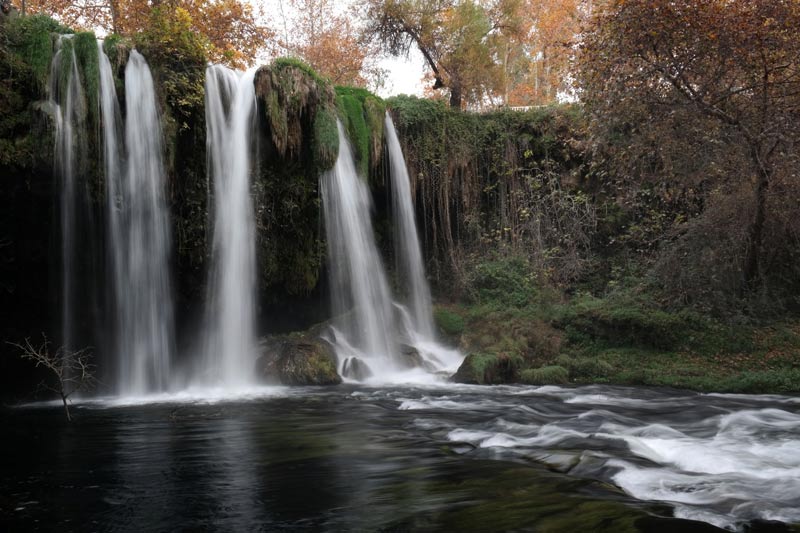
<point>111,118</point>
<point>721,459</point>
<point>141,246</point>
<point>361,300</point>
<point>69,108</point>
<point>230,344</point>
<point>407,248</point>
<point>369,325</point>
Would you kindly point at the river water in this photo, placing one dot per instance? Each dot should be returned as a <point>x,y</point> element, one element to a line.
<point>436,458</point>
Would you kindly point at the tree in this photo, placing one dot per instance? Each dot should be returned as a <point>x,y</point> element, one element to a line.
<point>452,35</point>
<point>231,27</point>
<point>326,39</point>
<point>70,371</point>
<point>732,63</point>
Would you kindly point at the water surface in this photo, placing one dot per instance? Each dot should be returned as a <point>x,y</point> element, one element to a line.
<point>449,458</point>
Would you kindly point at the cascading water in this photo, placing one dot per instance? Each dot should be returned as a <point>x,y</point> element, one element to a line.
<point>139,237</point>
<point>362,305</point>
<point>69,109</point>
<point>230,101</point>
<point>112,164</point>
<point>407,248</point>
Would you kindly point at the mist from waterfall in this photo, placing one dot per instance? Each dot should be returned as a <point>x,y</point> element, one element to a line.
<point>408,252</point>
<point>139,232</point>
<point>361,301</point>
<point>230,122</point>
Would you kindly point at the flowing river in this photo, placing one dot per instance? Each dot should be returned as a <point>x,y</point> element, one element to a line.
<point>436,458</point>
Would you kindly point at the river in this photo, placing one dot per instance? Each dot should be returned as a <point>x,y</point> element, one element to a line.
<point>405,458</point>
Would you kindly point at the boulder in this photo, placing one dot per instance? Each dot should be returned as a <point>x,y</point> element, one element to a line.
<point>487,369</point>
<point>355,368</point>
<point>410,357</point>
<point>297,361</point>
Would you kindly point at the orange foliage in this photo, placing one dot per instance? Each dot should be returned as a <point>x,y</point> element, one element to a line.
<point>230,26</point>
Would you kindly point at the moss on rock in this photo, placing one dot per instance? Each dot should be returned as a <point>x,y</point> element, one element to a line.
<point>488,369</point>
<point>298,361</point>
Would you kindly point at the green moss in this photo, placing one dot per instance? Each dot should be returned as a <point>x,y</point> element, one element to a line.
<point>546,375</point>
<point>87,54</point>
<point>488,368</point>
<point>362,115</point>
<point>31,38</point>
<point>296,63</point>
<point>326,139</point>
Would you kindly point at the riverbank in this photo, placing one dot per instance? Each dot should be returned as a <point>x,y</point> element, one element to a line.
<point>515,331</point>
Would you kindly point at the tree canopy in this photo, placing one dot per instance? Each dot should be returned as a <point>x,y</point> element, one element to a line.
<point>231,28</point>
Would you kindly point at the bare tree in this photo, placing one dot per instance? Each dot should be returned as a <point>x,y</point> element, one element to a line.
<point>70,371</point>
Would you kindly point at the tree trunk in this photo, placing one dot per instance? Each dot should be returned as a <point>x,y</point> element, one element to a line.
<point>752,274</point>
<point>455,96</point>
<point>114,5</point>
<point>66,407</point>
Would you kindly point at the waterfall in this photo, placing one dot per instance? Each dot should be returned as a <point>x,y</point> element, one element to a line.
<point>69,107</point>
<point>111,122</point>
<point>407,248</point>
<point>139,236</point>
<point>230,101</point>
<point>361,301</point>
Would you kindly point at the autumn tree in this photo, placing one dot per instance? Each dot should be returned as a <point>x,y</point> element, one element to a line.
<point>231,27</point>
<point>324,35</point>
<point>730,69</point>
<point>537,55</point>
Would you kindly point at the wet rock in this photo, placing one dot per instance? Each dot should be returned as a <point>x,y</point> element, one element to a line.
<point>297,361</point>
<point>355,368</point>
<point>487,369</point>
<point>410,357</point>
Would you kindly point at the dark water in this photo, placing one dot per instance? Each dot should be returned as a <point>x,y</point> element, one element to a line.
<point>407,459</point>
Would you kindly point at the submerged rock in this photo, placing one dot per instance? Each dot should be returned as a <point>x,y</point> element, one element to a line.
<point>298,361</point>
<point>355,368</point>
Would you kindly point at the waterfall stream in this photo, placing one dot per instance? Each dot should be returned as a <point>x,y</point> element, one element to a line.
<point>230,345</point>
<point>139,237</point>
<point>69,108</point>
<point>407,249</point>
<point>362,305</point>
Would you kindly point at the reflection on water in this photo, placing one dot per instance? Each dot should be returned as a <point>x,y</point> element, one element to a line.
<point>454,459</point>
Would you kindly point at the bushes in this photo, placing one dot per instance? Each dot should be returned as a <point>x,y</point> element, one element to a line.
<point>546,375</point>
<point>448,322</point>
<point>504,281</point>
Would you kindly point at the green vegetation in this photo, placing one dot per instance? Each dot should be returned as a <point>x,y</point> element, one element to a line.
<point>449,322</point>
<point>623,337</point>
<point>362,114</point>
<point>87,54</point>
<point>31,38</point>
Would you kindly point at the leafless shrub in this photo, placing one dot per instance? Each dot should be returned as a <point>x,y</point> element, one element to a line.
<point>69,371</point>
